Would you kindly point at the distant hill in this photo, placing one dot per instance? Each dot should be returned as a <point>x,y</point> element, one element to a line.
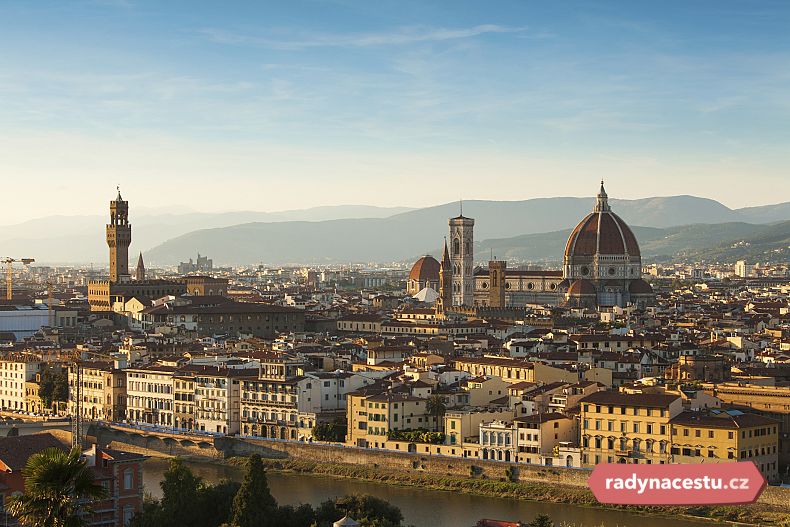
<point>528,230</point>
<point>80,239</point>
<point>717,242</point>
<point>361,233</point>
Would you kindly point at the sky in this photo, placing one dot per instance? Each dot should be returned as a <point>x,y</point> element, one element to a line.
<point>216,106</point>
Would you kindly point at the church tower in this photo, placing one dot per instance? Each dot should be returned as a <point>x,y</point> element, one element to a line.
<point>445,281</point>
<point>497,270</point>
<point>139,273</point>
<point>462,258</point>
<point>119,237</point>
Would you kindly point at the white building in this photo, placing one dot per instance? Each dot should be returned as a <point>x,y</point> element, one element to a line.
<point>218,397</point>
<point>13,375</point>
<point>149,395</point>
<point>742,269</point>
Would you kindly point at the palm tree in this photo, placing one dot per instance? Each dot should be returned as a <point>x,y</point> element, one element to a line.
<point>435,406</point>
<point>59,488</point>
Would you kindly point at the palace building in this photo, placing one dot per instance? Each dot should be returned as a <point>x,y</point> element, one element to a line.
<point>104,294</point>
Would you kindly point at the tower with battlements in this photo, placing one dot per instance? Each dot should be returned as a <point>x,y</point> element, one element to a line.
<point>119,237</point>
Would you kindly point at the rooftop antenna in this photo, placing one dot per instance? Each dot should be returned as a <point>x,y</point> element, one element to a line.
<point>462,206</point>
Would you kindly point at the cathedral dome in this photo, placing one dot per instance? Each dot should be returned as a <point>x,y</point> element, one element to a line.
<point>425,269</point>
<point>582,288</point>
<point>640,287</point>
<point>602,232</point>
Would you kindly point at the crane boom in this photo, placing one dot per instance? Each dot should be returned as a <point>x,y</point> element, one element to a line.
<point>9,274</point>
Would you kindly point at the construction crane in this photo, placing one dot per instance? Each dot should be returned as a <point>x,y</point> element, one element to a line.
<point>9,274</point>
<point>75,392</point>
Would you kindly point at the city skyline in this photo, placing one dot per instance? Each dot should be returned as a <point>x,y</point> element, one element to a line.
<point>392,105</point>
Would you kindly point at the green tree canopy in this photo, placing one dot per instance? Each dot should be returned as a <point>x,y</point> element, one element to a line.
<point>254,505</point>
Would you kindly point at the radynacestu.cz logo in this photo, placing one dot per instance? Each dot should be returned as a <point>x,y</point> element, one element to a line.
<point>703,484</point>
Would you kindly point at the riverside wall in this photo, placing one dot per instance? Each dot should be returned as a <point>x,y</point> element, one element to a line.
<point>223,447</point>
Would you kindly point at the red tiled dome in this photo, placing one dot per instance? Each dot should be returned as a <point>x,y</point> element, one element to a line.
<point>425,269</point>
<point>582,288</point>
<point>601,232</point>
<point>640,287</point>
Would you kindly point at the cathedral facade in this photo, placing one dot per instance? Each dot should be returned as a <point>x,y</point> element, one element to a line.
<point>602,267</point>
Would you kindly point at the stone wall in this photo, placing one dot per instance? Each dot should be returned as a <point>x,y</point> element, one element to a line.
<point>158,444</point>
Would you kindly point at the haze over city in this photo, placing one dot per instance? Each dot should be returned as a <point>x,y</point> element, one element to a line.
<point>259,106</point>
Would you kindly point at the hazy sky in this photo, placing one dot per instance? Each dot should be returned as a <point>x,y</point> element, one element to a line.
<point>282,105</point>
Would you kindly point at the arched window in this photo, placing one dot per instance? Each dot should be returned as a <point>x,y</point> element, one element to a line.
<point>456,246</point>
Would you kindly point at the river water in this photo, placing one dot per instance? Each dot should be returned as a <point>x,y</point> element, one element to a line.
<point>421,508</point>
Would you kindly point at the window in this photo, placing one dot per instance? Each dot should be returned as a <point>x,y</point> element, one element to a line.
<point>128,479</point>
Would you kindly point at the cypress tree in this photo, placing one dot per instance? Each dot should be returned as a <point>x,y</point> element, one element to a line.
<point>254,505</point>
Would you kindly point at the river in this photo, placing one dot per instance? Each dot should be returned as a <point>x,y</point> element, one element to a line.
<point>421,508</point>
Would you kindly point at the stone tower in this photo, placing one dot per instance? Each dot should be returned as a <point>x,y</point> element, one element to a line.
<point>119,237</point>
<point>445,281</point>
<point>496,277</point>
<point>139,273</point>
<point>462,258</point>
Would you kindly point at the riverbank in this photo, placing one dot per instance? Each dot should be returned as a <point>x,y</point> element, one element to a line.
<point>421,507</point>
<point>468,476</point>
<point>757,514</point>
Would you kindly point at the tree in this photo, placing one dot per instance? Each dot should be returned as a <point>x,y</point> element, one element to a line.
<point>254,505</point>
<point>435,406</point>
<point>369,511</point>
<point>187,501</point>
<point>59,488</point>
<point>541,520</point>
<point>334,432</point>
<point>181,491</point>
<point>46,388</point>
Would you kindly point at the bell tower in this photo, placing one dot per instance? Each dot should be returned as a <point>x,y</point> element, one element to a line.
<point>462,259</point>
<point>119,237</point>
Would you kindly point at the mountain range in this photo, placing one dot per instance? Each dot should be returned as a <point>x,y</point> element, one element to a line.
<point>528,230</point>
<point>723,242</point>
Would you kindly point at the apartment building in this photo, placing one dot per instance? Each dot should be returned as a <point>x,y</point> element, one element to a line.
<point>719,436</point>
<point>376,411</point>
<point>103,390</point>
<point>217,396</point>
<point>770,401</point>
<point>15,372</point>
<point>184,401</point>
<point>627,428</point>
<point>539,435</point>
<point>150,395</point>
<point>285,402</point>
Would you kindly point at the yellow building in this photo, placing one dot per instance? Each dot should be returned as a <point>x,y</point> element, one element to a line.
<point>463,426</point>
<point>627,428</point>
<point>770,401</point>
<point>372,414</point>
<point>515,370</point>
<point>719,437</point>
<point>538,435</point>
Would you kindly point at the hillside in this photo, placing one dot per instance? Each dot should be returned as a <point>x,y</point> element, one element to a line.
<point>718,242</point>
<point>361,233</point>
